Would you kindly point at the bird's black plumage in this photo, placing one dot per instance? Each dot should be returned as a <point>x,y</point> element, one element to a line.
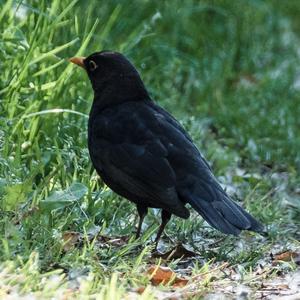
<point>142,153</point>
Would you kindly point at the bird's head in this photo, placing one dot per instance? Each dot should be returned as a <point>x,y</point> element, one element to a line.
<point>111,75</point>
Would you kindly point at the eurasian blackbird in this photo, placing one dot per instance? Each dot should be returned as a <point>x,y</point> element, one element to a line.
<point>143,153</point>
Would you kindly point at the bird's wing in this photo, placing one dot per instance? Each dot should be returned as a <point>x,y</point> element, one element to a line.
<point>127,152</point>
<point>196,183</point>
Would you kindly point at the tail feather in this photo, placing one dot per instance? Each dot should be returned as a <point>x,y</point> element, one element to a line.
<point>230,212</point>
<point>255,225</point>
<point>213,217</point>
<point>224,214</point>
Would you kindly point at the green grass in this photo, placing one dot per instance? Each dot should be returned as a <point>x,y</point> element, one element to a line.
<point>227,69</point>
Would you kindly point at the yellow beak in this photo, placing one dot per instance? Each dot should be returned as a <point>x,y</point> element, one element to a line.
<point>78,61</point>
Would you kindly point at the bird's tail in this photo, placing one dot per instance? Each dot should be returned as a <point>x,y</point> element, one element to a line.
<point>224,214</point>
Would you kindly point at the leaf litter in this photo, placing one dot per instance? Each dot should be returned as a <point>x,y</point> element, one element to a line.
<point>268,280</point>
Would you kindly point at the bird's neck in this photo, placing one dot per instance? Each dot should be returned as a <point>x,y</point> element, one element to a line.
<point>114,94</point>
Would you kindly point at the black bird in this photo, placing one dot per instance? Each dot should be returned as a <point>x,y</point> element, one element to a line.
<point>143,154</point>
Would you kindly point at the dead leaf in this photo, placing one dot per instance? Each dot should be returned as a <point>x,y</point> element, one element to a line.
<point>282,287</point>
<point>117,241</point>
<point>179,251</point>
<point>286,256</point>
<point>160,275</point>
<point>180,282</point>
<point>70,239</point>
<point>140,290</point>
<point>164,275</point>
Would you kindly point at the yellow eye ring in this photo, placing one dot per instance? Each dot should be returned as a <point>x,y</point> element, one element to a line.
<point>92,65</point>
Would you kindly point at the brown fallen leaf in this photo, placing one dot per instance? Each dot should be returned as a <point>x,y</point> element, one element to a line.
<point>179,251</point>
<point>277,287</point>
<point>286,256</point>
<point>180,282</point>
<point>114,241</point>
<point>70,239</point>
<point>164,275</point>
<point>140,290</point>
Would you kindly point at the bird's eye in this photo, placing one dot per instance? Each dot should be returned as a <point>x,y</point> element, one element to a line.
<point>92,65</point>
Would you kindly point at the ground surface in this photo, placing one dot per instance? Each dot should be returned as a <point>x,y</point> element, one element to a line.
<point>230,73</point>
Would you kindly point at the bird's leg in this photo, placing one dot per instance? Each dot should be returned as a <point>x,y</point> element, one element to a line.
<point>165,217</point>
<point>142,211</point>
